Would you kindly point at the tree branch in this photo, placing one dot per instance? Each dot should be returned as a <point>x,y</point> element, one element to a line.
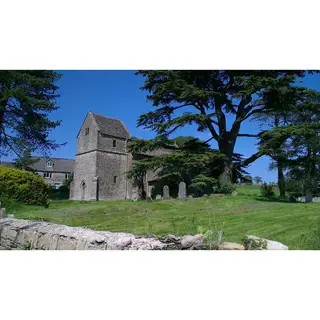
<point>209,123</point>
<point>248,135</point>
<point>249,160</point>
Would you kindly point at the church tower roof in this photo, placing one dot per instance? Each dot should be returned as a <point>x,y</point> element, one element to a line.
<point>111,126</point>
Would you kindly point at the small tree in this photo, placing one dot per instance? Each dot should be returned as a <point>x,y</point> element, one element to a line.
<point>203,184</point>
<point>257,180</point>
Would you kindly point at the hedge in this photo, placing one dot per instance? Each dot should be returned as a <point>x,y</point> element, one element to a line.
<point>23,186</point>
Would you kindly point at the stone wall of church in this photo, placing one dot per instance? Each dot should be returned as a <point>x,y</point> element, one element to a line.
<point>85,170</point>
<point>87,142</point>
<point>105,143</point>
<point>111,170</point>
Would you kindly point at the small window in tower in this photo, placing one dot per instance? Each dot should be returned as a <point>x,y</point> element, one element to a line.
<point>114,143</point>
<point>115,179</point>
<point>87,131</point>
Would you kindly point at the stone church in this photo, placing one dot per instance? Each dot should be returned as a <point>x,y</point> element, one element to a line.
<point>102,159</point>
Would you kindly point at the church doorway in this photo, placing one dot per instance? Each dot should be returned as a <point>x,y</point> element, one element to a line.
<point>83,190</point>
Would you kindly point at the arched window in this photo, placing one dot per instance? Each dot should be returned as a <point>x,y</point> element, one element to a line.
<point>83,190</point>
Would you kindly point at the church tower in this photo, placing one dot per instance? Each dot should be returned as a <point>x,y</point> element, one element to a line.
<point>101,160</point>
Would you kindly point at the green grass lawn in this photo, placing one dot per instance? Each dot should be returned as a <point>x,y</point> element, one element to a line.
<point>237,216</point>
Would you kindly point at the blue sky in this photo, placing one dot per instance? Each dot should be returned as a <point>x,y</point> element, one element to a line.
<point>117,94</point>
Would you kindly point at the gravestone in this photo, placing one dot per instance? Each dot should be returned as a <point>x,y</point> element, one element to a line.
<point>166,194</point>
<point>2,211</point>
<point>190,196</point>
<point>205,196</point>
<point>308,198</point>
<point>158,197</point>
<point>182,190</point>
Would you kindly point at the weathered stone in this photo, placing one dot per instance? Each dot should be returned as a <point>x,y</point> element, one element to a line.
<point>256,243</point>
<point>166,194</point>
<point>205,196</point>
<point>158,197</point>
<point>182,190</point>
<point>308,198</point>
<point>190,196</point>
<point>23,234</point>
<point>194,242</point>
<point>231,246</point>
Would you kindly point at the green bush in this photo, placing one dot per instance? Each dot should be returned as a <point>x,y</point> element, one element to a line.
<point>267,190</point>
<point>226,189</point>
<point>23,186</point>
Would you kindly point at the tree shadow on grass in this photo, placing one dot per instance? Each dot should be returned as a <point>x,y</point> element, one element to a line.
<point>275,199</point>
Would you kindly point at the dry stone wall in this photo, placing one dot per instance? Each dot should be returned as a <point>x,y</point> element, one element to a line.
<point>23,234</point>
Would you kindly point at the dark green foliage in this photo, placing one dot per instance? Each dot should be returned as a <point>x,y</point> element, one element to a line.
<point>226,189</point>
<point>267,190</point>
<point>208,97</point>
<point>59,194</point>
<point>247,180</point>
<point>25,162</point>
<point>23,186</point>
<point>203,185</point>
<point>294,144</point>
<point>68,181</point>
<point>189,159</point>
<point>27,97</point>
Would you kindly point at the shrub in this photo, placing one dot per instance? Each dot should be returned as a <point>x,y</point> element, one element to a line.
<point>267,190</point>
<point>226,189</point>
<point>23,186</point>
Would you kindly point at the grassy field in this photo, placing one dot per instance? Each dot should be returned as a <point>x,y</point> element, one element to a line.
<point>290,223</point>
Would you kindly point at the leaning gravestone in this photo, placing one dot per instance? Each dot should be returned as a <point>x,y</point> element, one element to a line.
<point>166,194</point>
<point>182,190</point>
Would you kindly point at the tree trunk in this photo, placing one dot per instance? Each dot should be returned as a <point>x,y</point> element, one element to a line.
<point>281,181</point>
<point>226,146</point>
<point>225,177</point>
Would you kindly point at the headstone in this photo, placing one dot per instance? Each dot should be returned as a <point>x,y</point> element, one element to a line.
<point>205,196</point>
<point>2,211</point>
<point>166,194</point>
<point>308,197</point>
<point>158,197</point>
<point>182,190</point>
<point>190,196</point>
